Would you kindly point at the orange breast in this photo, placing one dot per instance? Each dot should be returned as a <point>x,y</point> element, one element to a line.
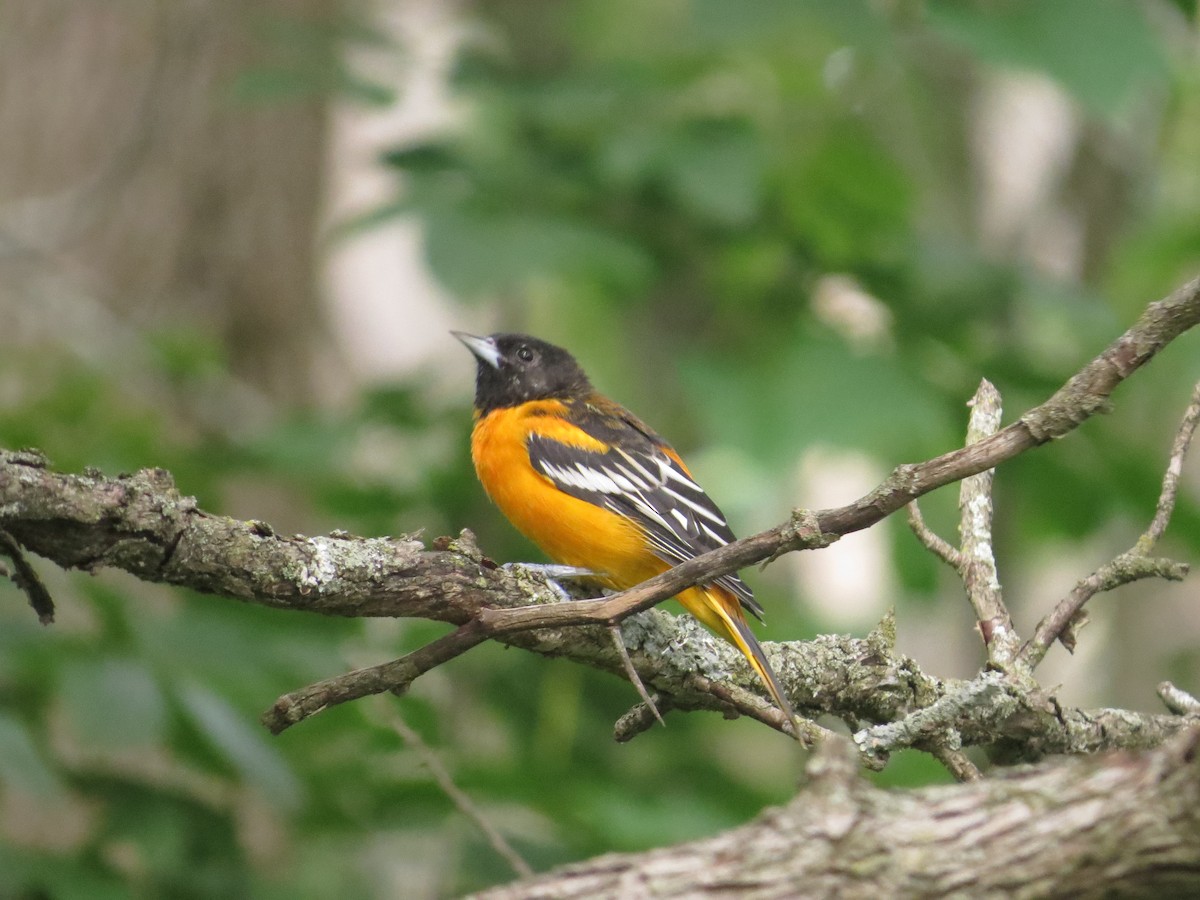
<point>567,529</point>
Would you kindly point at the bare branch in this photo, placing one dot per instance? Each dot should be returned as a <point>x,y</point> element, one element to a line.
<point>395,676</point>
<point>639,719</point>
<point>938,722</point>
<point>975,527</point>
<point>931,540</point>
<point>956,763</point>
<point>140,524</point>
<point>1132,565</point>
<point>1178,700</point>
<point>135,521</point>
<point>1170,485</point>
<point>26,578</point>
<point>975,561</point>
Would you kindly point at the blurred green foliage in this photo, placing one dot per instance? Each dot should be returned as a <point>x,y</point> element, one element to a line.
<point>662,187</point>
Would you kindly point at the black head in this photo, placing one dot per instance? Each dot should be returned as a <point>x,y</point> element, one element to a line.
<point>515,368</point>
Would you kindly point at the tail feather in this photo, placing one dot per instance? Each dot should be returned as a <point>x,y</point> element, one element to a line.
<point>737,630</point>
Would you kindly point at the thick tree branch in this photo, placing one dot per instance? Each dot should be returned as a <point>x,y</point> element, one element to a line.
<point>841,837</point>
<point>1086,393</point>
<point>140,524</point>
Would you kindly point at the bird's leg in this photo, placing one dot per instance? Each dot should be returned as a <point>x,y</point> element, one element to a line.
<point>552,573</point>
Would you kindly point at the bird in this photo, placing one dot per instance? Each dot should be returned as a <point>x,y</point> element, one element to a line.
<point>596,488</point>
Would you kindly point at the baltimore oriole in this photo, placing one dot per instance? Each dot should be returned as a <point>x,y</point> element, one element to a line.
<point>594,487</point>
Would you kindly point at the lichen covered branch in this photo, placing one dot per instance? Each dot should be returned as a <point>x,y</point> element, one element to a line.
<point>142,525</point>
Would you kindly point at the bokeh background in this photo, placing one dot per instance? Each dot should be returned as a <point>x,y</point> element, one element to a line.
<point>792,235</point>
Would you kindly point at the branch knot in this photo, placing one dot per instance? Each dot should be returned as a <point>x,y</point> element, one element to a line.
<point>802,531</point>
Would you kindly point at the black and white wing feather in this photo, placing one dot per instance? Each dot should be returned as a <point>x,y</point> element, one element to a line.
<point>639,481</point>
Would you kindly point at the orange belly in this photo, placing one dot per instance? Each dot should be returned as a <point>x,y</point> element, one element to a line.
<point>577,533</point>
<point>568,530</point>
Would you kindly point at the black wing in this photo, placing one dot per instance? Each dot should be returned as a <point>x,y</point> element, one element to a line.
<point>637,479</point>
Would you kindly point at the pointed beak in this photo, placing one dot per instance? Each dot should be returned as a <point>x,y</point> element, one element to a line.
<point>484,348</point>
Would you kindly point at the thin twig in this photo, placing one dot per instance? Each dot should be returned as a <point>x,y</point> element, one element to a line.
<point>1177,700</point>
<point>639,718</point>
<point>459,797</point>
<point>394,676</point>
<point>1132,565</point>
<point>956,762</point>
<point>26,578</point>
<point>931,540</point>
<point>806,731</point>
<point>142,525</point>
<point>1170,485</point>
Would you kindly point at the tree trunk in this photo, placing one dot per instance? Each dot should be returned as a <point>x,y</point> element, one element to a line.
<point>135,164</point>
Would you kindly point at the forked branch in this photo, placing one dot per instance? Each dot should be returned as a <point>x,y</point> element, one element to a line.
<point>1132,565</point>
<point>142,525</point>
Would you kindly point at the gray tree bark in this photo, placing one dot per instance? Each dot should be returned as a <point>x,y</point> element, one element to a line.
<point>1118,825</point>
<point>1123,824</point>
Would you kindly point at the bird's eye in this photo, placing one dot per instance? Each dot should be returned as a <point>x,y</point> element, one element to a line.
<point>525,354</point>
